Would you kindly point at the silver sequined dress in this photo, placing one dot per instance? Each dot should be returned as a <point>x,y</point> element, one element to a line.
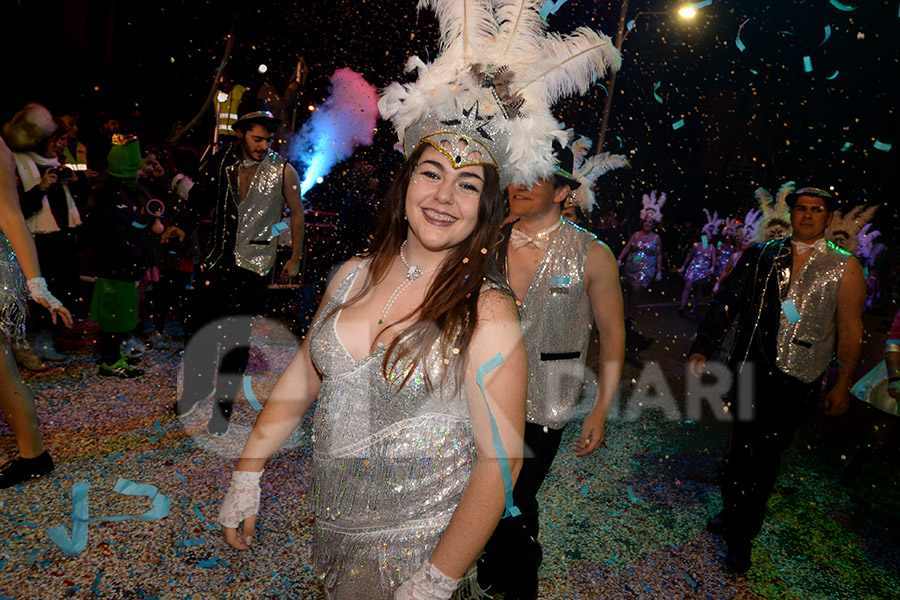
<point>698,269</point>
<point>389,466</point>
<point>639,267</point>
<point>12,293</point>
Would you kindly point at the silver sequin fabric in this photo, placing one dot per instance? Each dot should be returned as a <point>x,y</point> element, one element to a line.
<point>556,322</point>
<point>723,253</point>
<point>698,269</point>
<point>806,347</point>
<point>12,293</point>
<point>255,246</point>
<point>639,267</point>
<point>389,465</point>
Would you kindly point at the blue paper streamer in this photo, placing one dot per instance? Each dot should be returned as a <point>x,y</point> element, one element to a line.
<point>827,34</point>
<point>790,311</point>
<point>248,392</point>
<point>560,281</point>
<point>656,96</point>
<point>77,542</point>
<point>499,450</point>
<point>833,75</point>
<point>279,228</point>
<point>180,476</point>
<point>630,25</point>
<point>842,6</point>
<point>606,91</point>
<point>704,241</point>
<point>161,504</point>
<point>807,64</point>
<point>550,7</point>
<point>156,437</point>
<point>702,4</point>
<point>883,146</point>
<point>678,124</point>
<point>737,41</point>
<point>846,146</point>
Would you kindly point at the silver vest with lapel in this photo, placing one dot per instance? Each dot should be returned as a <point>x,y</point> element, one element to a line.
<point>556,320</point>
<point>255,246</point>
<point>806,346</point>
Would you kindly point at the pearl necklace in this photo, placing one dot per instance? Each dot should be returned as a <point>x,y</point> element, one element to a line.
<point>413,273</point>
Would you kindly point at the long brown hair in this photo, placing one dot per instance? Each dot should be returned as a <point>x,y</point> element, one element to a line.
<point>449,312</point>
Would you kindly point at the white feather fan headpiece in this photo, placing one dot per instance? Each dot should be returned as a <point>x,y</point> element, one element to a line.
<point>587,170</point>
<point>866,248</point>
<point>653,206</point>
<point>845,227</point>
<point>731,227</point>
<point>776,215</point>
<point>751,221</point>
<point>486,99</point>
<point>713,224</point>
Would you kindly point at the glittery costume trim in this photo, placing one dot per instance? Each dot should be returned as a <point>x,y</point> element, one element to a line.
<point>13,293</point>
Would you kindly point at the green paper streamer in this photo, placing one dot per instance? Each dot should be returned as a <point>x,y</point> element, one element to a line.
<point>678,124</point>
<point>807,64</point>
<point>842,6</point>
<point>846,146</point>
<point>656,96</point>
<point>833,75</point>
<point>827,34</point>
<point>883,146</point>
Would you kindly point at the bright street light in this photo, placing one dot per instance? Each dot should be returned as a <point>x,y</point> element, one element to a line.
<point>687,12</point>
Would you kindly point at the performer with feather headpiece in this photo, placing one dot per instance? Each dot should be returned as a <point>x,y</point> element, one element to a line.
<point>700,263</point>
<point>564,281</point>
<point>416,452</point>
<point>641,258</point>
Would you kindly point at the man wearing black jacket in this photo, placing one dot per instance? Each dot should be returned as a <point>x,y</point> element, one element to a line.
<point>791,301</point>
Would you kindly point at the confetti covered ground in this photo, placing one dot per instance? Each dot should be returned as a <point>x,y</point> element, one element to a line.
<point>627,522</point>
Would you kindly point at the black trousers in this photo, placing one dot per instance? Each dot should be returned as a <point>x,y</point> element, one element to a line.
<point>513,555</point>
<point>753,459</point>
<point>221,306</point>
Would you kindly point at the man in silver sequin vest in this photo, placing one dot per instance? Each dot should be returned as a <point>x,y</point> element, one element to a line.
<point>564,281</point>
<point>791,302</point>
<point>241,192</point>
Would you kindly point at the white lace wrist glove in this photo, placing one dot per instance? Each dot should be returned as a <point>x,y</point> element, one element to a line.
<point>37,287</point>
<point>242,499</point>
<point>428,583</point>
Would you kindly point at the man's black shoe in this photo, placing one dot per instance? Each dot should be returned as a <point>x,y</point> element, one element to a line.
<point>21,469</point>
<point>716,524</point>
<point>738,558</point>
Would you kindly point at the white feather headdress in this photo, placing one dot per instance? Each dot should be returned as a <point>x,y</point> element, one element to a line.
<point>588,169</point>
<point>866,248</point>
<point>751,222</point>
<point>731,227</point>
<point>713,224</point>
<point>486,99</point>
<point>776,215</point>
<point>845,227</point>
<point>653,206</point>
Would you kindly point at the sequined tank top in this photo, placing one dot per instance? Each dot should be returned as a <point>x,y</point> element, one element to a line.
<point>389,465</point>
<point>556,321</point>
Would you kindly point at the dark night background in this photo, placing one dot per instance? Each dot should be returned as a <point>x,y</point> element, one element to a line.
<point>751,118</point>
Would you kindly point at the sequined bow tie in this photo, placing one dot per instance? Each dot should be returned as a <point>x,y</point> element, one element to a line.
<point>541,239</point>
